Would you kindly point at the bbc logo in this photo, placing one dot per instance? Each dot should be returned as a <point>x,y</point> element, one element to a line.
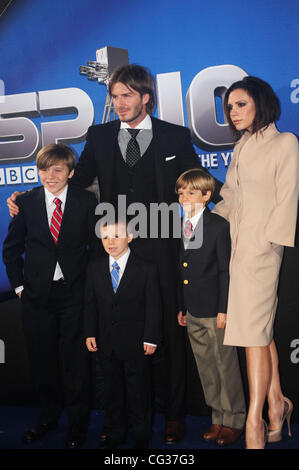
<point>18,175</point>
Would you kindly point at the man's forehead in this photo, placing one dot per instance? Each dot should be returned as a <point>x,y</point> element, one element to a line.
<point>121,87</point>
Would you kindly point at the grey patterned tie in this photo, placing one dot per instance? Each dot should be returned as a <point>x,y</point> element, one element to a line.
<point>133,149</point>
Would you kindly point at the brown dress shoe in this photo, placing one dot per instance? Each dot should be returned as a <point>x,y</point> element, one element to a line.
<point>228,436</point>
<point>212,433</point>
<point>175,431</point>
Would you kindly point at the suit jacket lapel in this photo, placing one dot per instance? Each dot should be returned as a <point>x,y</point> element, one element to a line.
<point>159,167</point>
<point>41,210</point>
<point>127,276</point>
<point>103,276</point>
<point>201,230</point>
<point>109,154</point>
<point>67,214</point>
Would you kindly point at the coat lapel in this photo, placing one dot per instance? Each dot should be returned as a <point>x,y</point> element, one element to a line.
<point>159,167</point>
<point>41,210</point>
<point>103,276</point>
<point>201,230</point>
<point>109,152</point>
<point>127,276</point>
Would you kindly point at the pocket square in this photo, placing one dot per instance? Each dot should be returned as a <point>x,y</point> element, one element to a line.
<point>170,158</point>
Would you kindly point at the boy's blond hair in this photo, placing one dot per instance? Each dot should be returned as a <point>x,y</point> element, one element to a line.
<point>53,154</point>
<point>196,178</point>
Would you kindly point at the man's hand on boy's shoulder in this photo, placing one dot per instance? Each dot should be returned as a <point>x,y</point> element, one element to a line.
<point>221,320</point>
<point>12,207</point>
<point>182,321</point>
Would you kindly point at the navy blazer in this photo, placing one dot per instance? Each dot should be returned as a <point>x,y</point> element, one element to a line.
<point>124,320</point>
<point>204,271</point>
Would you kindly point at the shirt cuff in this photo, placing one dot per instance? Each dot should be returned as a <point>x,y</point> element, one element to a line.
<point>150,344</point>
<point>19,289</point>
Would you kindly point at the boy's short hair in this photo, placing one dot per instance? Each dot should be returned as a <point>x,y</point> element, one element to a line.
<point>53,154</point>
<point>196,178</point>
<point>115,220</point>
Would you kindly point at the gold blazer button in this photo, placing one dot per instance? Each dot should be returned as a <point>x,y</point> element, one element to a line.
<point>186,281</point>
<point>185,265</point>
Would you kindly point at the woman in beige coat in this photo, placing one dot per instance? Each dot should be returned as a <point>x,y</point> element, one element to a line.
<point>260,198</point>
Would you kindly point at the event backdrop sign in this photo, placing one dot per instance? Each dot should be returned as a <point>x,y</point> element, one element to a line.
<point>195,50</point>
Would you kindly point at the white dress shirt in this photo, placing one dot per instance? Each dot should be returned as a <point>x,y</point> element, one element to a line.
<point>145,124</point>
<point>144,136</point>
<point>122,262</point>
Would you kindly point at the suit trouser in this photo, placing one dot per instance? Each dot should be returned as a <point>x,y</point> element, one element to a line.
<point>219,371</point>
<point>58,356</point>
<point>127,395</point>
<point>169,366</point>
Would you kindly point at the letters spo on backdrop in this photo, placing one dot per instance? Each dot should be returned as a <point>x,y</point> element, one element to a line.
<point>21,136</point>
<point>21,139</point>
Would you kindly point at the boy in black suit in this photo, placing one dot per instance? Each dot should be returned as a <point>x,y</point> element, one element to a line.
<point>55,228</point>
<point>123,321</point>
<point>203,293</point>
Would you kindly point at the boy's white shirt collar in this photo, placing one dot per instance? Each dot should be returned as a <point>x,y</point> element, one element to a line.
<point>145,124</point>
<point>50,197</point>
<point>194,220</point>
<point>122,261</point>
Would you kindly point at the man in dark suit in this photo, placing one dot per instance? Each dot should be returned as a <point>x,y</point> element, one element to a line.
<point>55,229</point>
<point>163,152</point>
<point>203,293</point>
<point>123,320</point>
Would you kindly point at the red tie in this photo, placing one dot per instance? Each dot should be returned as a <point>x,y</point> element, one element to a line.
<point>56,220</point>
<point>188,230</point>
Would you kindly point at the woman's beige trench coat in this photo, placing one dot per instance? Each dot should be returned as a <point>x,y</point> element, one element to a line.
<point>260,199</point>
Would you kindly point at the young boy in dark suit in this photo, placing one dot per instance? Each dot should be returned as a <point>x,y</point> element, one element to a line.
<point>203,293</point>
<point>123,320</point>
<point>55,228</point>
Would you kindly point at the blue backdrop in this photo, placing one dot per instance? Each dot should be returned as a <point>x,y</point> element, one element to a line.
<point>44,43</point>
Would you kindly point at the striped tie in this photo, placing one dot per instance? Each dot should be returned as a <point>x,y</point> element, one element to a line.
<point>115,276</point>
<point>188,230</point>
<point>56,220</point>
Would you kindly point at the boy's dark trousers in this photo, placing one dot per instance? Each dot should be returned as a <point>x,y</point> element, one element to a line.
<point>127,393</point>
<point>58,356</point>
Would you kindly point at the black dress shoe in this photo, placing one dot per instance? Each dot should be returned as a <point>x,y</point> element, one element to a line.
<point>76,437</point>
<point>38,431</point>
<point>175,431</point>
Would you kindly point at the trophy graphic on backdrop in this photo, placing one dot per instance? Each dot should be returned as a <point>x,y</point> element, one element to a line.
<point>107,59</point>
